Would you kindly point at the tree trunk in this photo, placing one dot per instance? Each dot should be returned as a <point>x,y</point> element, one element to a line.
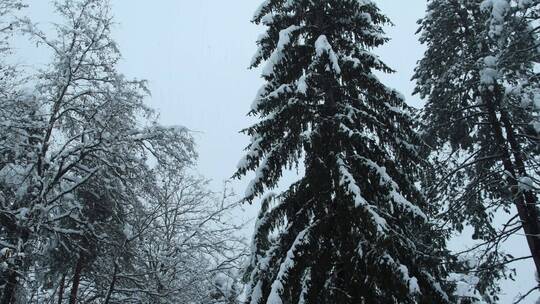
<point>113,282</point>
<point>530,197</point>
<point>76,280</point>
<point>530,223</point>
<point>61,291</point>
<point>9,290</point>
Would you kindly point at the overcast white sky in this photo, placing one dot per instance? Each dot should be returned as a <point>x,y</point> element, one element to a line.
<point>195,55</point>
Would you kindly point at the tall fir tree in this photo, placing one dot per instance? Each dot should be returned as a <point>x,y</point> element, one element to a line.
<point>354,228</point>
<point>479,82</point>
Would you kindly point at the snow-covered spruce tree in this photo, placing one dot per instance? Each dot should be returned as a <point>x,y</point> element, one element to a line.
<point>354,228</point>
<point>479,81</point>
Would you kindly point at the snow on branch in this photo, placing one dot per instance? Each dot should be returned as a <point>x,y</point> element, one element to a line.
<point>286,266</point>
<point>410,281</point>
<point>278,55</point>
<point>347,180</point>
<point>322,46</point>
<point>395,194</point>
<point>498,10</point>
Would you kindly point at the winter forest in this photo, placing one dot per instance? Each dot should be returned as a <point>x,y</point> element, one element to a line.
<point>136,166</point>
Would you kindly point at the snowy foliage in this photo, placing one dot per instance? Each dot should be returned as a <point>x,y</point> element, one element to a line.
<point>85,165</point>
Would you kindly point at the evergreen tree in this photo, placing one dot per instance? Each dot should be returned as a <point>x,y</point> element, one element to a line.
<point>479,81</point>
<point>354,228</point>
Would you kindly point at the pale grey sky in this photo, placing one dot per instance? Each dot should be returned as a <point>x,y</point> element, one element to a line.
<point>195,54</point>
